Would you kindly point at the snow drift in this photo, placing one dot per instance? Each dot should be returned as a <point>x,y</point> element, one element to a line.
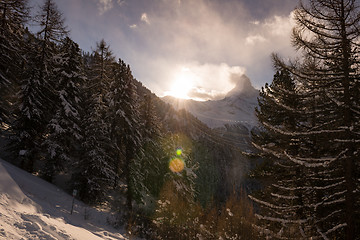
<point>31,208</point>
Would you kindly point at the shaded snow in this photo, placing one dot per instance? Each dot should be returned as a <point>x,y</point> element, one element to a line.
<point>31,208</point>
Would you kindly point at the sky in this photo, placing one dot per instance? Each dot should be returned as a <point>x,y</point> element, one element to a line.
<point>186,48</point>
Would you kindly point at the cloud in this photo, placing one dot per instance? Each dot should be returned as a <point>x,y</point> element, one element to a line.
<point>208,81</point>
<point>104,6</point>
<point>197,31</point>
<point>280,25</point>
<point>145,18</point>
<point>156,37</point>
<point>250,40</point>
<point>201,94</point>
<point>120,2</point>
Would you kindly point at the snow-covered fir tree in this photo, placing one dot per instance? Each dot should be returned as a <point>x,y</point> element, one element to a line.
<point>95,172</point>
<point>36,98</point>
<point>151,158</point>
<point>149,166</point>
<point>327,131</point>
<point>30,117</point>
<point>13,16</point>
<point>124,119</point>
<point>64,134</point>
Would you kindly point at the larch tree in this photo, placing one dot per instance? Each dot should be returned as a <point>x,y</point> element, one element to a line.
<point>333,46</point>
<point>52,29</point>
<point>278,104</point>
<point>101,69</point>
<point>52,32</point>
<point>327,131</point>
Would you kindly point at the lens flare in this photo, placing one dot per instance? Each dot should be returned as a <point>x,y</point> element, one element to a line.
<point>176,165</point>
<point>178,152</point>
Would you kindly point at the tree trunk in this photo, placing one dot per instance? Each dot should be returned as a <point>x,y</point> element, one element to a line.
<point>3,19</point>
<point>347,121</point>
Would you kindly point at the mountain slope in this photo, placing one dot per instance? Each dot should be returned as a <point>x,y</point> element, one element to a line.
<point>31,208</point>
<point>237,106</point>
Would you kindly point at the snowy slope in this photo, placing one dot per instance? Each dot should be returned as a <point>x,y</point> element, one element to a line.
<point>31,208</point>
<point>236,108</point>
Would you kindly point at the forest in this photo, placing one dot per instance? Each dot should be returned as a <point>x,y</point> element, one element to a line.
<point>81,120</point>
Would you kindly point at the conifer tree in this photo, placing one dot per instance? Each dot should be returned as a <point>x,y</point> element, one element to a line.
<point>278,108</point>
<point>151,157</point>
<point>13,16</point>
<point>123,116</point>
<point>52,31</point>
<point>36,100</point>
<point>95,171</point>
<point>30,116</point>
<point>64,131</point>
<point>101,68</point>
<point>327,133</point>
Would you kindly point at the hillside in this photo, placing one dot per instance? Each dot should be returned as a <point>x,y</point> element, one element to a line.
<point>31,208</point>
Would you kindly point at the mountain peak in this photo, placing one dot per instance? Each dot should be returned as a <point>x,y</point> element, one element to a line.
<point>243,87</point>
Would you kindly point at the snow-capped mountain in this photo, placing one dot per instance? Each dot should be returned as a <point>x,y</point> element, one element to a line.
<point>238,106</point>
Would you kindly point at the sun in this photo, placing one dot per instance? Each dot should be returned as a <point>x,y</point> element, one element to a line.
<point>181,88</point>
<point>182,85</point>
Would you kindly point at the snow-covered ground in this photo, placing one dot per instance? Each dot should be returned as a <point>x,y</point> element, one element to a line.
<point>31,208</point>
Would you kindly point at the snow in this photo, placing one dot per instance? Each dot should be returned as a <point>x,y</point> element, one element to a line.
<point>283,196</point>
<point>31,208</point>
<point>304,161</point>
<point>322,234</point>
<point>310,187</point>
<point>270,205</point>
<point>229,212</point>
<point>22,152</point>
<point>281,220</point>
<point>238,107</point>
<point>218,113</point>
<point>288,133</point>
<point>341,225</point>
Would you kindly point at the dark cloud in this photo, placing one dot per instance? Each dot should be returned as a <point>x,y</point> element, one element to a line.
<point>261,9</point>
